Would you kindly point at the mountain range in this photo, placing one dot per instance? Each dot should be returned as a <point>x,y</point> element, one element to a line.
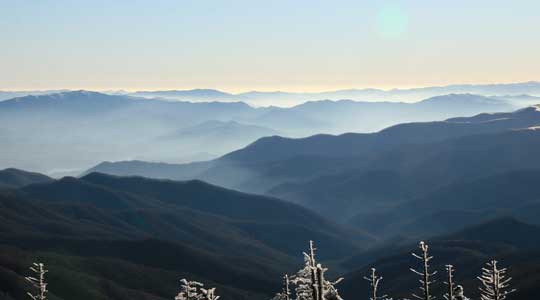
<point>365,179</point>
<point>119,127</point>
<point>282,98</point>
<point>109,237</point>
<point>239,221</point>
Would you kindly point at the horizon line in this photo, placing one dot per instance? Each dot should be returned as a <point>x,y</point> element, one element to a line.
<point>293,91</point>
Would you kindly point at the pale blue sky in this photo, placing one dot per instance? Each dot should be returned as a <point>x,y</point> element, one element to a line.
<point>266,45</point>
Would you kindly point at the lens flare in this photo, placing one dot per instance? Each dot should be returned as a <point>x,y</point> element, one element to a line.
<point>391,22</point>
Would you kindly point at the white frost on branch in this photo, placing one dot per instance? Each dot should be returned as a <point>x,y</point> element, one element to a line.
<point>38,281</point>
<point>495,283</point>
<point>310,282</point>
<point>374,281</point>
<point>209,294</point>
<point>193,290</point>
<point>425,274</point>
<point>285,294</point>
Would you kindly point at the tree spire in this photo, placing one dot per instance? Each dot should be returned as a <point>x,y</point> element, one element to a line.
<point>495,283</point>
<point>425,274</point>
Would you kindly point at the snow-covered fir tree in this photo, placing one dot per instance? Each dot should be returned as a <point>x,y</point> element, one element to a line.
<point>374,281</point>
<point>193,290</point>
<point>450,283</point>
<point>310,283</point>
<point>424,273</point>
<point>495,283</point>
<point>285,293</point>
<point>454,291</point>
<point>38,281</point>
<point>302,281</point>
<point>209,294</point>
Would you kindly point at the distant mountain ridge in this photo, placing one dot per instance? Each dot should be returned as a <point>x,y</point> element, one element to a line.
<point>189,95</point>
<point>413,94</point>
<point>531,88</point>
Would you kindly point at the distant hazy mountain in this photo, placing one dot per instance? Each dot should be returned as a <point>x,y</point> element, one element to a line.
<point>44,132</point>
<point>189,95</point>
<point>118,127</point>
<point>352,116</point>
<point>4,95</point>
<point>277,157</point>
<point>282,98</point>
<point>209,134</point>
<point>337,116</point>
<point>521,100</point>
<point>221,128</point>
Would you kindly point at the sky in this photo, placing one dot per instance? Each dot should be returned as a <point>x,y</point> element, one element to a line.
<point>292,45</point>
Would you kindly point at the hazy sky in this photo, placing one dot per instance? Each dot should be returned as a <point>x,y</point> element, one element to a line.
<point>267,45</point>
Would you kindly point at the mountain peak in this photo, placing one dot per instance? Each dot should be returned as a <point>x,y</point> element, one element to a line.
<point>15,178</point>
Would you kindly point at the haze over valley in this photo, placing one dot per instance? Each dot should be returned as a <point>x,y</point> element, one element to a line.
<point>112,127</point>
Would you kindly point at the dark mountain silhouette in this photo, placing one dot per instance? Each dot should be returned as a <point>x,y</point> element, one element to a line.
<point>151,170</point>
<point>413,170</point>
<point>15,178</point>
<point>515,244</point>
<point>95,230</point>
<point>467,201</point>
<point>181,202</point>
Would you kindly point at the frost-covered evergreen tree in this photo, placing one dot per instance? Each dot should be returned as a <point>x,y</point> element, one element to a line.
<point>453,292</point>
<point>326,290</point>
<point>285,294</point>
<point>450,283</point>
<point>38,281</point>
<point>193,290</point>
<point>495,283</point>
<point>374,281</point>
<point>209,294</point>
<point>302,281</point>
<point>310,281</point>
<point>424,273</point>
